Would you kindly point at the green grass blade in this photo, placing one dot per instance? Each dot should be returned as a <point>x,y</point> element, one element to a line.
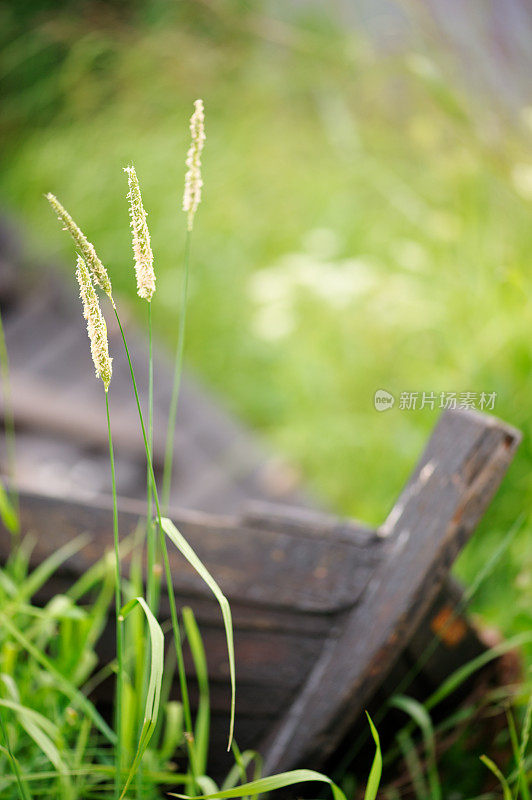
<point>118,603</point>
<point>243,760</point>
<point>84,729</point>
<point>186,550</point>
<point>376,768</point>
<point>459,676</point>
<point>488,567</point>
<point>514,741</point>
<point>43,722</point>
<point>413,764</point>
<point>98,571</point>
<point>178,369</point>
<point>7,584</point>
<point>158,776</point>
<point>525,738</point>
<point>498,774</point>
<point>21,785</point>
<point>46,569</point>
<point>272,783</point>
<point>173,730</point>
<point>166,688</point>
<point>42,731</point>
<point>62,683</point>
<point>206,784</point>
<point>126,726</point>
<point>421,717</point>
<point>19,558</point>
<point>153,694</point>
<point>239,763</point>
<point>13,517</point>
<point>47,746</point>
<point>8,514</point>
<point>201,732</point>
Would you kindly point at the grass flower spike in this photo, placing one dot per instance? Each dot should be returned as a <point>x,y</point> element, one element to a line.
<point>141,238</point>
<point>92,262</point>
<point>193,182</point>
<point>96,327</point>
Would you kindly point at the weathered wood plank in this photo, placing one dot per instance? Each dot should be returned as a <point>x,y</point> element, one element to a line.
<point>456,477</point>
<point>267,659</point>
<point>309,522</point>
<point>275,568</point>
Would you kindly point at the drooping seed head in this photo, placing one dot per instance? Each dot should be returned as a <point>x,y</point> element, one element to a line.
<point>193,182</point>
<point>142,251</point>
<point>96,327</point>
<point>95,266</point>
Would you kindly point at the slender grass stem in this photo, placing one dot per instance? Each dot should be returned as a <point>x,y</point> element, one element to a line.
<point>153,574</point>
<point>170,587</point>
<point>118,606</point>
<point>23,791</point>
<point>178,368</point>
<point>152,579</point>
<point>9,424</point>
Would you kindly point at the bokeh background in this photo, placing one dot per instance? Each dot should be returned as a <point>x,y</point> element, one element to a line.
<point>366,220</point>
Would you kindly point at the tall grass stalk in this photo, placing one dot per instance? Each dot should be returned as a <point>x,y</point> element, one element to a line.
<point>168,574</point>
<point>118,606</point>
<point>191,201</point>
<point>153,573</point>
<point>9,427</point>
<point>153,582</point>
<point>146,284</point>
<point>178,369</point>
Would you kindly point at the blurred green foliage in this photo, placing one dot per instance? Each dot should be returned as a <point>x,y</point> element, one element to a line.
<point>364,226</point>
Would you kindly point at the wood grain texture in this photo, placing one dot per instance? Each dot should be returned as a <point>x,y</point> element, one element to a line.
<point>285,567</point>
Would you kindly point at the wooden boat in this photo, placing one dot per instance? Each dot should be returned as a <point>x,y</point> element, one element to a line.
<point>330,615</point>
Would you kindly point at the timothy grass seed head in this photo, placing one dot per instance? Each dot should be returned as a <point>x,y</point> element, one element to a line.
<point>92,262</point>
<point>142,251</point>
<point>96,327</point>
<point>193,182</point>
